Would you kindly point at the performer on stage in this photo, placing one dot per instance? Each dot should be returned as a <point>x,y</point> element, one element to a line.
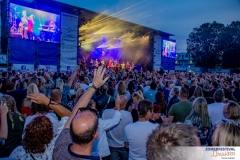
<point>132,66</point>
<point>24,24</point>
<point>102,62</point>
<point>123,65</point>
<point>30,26</point>
<point>110,64</point>
<point>91,64</point>
<point>82,63</point>
<point>128,65</point>
<point>118,66</point>
<point>96,64</point>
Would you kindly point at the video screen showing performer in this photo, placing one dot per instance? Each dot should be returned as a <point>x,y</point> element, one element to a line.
<point>169,49</point>
<point>28,23</point>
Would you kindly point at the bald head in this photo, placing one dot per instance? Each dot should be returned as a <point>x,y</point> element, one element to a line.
<point>84,127</point>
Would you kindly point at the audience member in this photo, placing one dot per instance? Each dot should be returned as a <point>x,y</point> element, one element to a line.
<point>179,111</point>
<point>170,142</point>
<point>116,134</point>
<point>215,109</point>
<point>38,140</point>
<point>136,134</point>
<point>226,134</point>
<point>15,122</point>
<point>199,118</point>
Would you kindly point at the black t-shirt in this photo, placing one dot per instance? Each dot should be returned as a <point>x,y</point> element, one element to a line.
<point>14,138</point>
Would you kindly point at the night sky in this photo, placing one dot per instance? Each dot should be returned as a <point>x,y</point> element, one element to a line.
<point>177,17</point>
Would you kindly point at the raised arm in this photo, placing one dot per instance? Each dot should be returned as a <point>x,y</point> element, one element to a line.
<point>98,81</point>
<point>73,76</point>
<point>42,99</point>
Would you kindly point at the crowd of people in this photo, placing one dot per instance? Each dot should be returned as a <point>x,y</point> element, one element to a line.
<point>108,114</point>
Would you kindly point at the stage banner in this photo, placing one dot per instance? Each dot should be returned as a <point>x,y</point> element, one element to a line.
<point>69,41</point>
<point>3,58</point>
<point>22,51</point>
<point>50,68</point>
<point>23,67</point>
<point>48,53</point>
<point>157,52</point>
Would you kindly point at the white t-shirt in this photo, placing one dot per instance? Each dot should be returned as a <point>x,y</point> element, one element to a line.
<point>136,134</point>
<point>115,135</point>
<point>215,111</point>
<point>52,116</point>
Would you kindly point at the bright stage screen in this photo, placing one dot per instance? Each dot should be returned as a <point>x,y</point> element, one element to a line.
<point>169,49</point>
<point>28,23</point>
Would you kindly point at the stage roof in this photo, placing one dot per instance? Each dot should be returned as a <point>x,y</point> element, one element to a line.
<point>87,15</point>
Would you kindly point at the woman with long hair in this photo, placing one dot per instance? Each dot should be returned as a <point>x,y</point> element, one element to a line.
<point>232,113</point>
<point>161,102</point>
<point>226,135</point>
<point>137,97</point>
<point>121,90</point>
<point>26,104</point>
<point>15,122</point>
<point>197,93</point>
<point>200,119</point>
<point>38,140</point>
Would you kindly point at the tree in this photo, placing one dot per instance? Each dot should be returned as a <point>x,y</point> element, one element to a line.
<point>230,41</point>
<point>203,45</point>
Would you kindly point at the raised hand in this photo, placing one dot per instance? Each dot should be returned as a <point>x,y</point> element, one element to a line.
<point>3,109</point>
<point>98,80</point>
<point>39,98</point>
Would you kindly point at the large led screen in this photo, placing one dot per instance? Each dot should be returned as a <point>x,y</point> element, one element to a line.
<point>33,24</point>
<point>169,49</point>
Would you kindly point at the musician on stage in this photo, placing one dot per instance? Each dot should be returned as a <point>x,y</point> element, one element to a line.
<point>110,64</point>
<point>102,62</point>
<point>30,26</point>
<point>128,65</point>
<point>96,64</point>
<point>123,65</point>
<point>91,64</point>
<point>82,63</point>
<point>24,24</point>
<point>132,66</point>
<point>118,66</point>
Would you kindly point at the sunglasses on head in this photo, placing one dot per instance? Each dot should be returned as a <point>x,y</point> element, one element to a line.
<point>87,109</point>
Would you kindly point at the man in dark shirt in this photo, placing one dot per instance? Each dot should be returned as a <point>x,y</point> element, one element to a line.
<point>192,88</point>
<point>214,86</point>
<point>104,101</point>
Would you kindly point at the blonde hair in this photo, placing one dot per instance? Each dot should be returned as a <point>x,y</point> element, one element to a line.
<point>234,110</point>
<point>138,95</point>
<point>32,89</point>
<point>77,86</point>
<point>199,114</point>
<point>79,92</point>
<point>11,104</point>
<point>121,88</point>
<point>60,84</point>
<point>43,81</point>
<point>226,134</point>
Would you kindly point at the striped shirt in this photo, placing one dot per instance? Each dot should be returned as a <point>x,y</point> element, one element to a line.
<point>62,149</point>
